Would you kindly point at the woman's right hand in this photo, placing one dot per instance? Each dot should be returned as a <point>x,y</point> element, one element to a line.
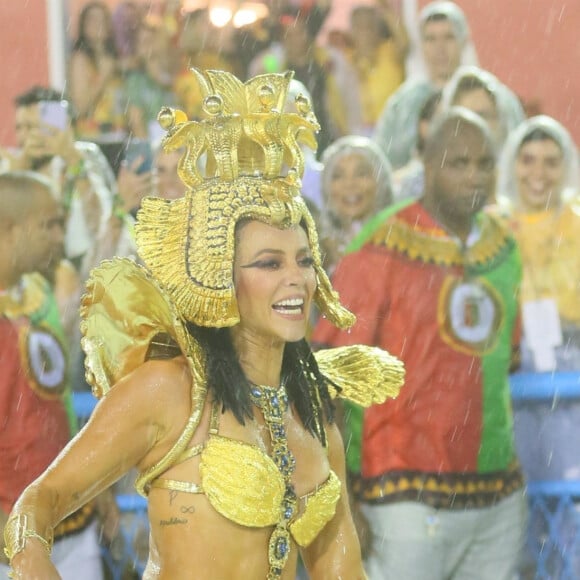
<point>33,563</point>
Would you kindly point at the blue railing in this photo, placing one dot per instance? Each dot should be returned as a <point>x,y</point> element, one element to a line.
<point>545,386</point>
<point>554,526</point>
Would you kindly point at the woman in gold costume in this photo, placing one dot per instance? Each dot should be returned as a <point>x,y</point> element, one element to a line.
<point>207,385</point>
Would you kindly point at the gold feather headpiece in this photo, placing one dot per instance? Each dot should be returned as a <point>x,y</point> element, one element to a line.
<point>242,161</point>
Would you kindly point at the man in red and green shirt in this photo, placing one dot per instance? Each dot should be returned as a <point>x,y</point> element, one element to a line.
<point>436,284</point>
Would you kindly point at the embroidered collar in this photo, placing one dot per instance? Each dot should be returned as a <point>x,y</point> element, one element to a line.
<point>414,232</point>
<point>23,299</point>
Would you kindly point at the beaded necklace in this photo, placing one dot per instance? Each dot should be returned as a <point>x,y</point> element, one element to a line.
<point>273,402</point>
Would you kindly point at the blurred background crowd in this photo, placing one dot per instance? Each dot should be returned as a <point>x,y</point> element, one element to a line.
<point>375,81</point>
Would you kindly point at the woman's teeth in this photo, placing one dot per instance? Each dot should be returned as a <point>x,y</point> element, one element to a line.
<point>290,306</point>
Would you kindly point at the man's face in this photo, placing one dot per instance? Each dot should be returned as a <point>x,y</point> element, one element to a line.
<point>27,123</point>
<point>441,50</point>
<point>35,140</point>
<point>40,236</point>
<point>460,175</point>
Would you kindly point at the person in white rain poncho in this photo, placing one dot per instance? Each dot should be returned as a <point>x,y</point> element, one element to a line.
<point>356,185</point>
<point>538,187</point>
<point>445,37</point>
<point>482,92</point>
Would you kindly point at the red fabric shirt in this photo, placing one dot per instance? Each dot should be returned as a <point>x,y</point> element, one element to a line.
<point>435,423</point>
<point>397,311</point>
<point>33,428</point>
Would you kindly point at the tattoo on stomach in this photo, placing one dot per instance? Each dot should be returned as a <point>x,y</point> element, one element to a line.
<point>172,522</point>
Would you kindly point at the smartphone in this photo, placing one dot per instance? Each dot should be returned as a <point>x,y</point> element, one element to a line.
<point>54,114</point>
<point>139,148</point>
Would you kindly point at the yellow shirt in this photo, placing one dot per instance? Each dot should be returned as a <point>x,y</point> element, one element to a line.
<point>550,246</point>
<point>378,79</point>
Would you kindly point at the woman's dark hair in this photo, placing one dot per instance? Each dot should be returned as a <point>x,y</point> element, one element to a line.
<point>539,134</point>
<point>82,43</point>
<point>306,386</point>
<point>37,93</point>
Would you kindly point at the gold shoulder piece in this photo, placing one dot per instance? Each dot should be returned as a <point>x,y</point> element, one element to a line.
<point>122,310</point>
<point>367,375</point>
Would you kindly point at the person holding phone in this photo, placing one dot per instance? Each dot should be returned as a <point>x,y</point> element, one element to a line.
<point>136,181</point>
<point>83,181</point>
<point>135,178</point>
<point>84,187</point>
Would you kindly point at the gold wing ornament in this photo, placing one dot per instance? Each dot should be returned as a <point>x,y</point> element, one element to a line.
<point>122,312</point>
<point>367,375</point>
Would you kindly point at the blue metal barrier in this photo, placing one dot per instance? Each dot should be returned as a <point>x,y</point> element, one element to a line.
<point>545,386</point>
<point>554,515</point>
<point>554,530</point>
<point>128,555</point>
<point>554,527</point>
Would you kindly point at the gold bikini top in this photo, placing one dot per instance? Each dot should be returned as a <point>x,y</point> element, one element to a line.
<point>244,485</point>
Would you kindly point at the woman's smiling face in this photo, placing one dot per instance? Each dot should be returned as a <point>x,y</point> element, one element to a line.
<point>275,281</point>
<point>539,170</point>
<point>353,188</point>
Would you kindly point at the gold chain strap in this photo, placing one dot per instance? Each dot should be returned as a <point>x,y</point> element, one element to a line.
<point>274,403</point>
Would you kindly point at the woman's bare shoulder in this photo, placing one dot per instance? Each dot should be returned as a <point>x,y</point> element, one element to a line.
<point>168,375</point>
<point>156,386</point>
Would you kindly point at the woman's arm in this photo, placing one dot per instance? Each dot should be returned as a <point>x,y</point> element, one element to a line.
<point>397,29</point>
<point>134,425</point>
<point>335,554</point>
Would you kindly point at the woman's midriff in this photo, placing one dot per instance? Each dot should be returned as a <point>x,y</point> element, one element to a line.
<point>190,540</point>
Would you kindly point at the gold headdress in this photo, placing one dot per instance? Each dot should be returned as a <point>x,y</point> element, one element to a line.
<point>253,165</point>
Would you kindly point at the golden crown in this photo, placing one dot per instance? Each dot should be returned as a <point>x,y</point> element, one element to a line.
<point>253,164</point>
<point>246,131</point>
